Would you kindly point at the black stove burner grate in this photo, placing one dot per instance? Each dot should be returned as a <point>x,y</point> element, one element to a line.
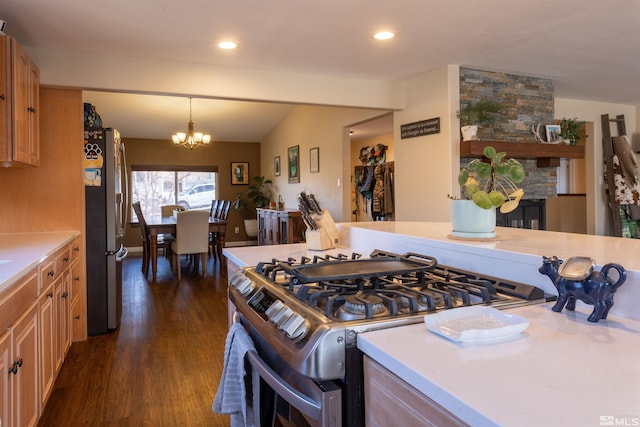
<point>343,286</point>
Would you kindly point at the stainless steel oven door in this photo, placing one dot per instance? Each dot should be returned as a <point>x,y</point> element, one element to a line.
<point>305,402</point>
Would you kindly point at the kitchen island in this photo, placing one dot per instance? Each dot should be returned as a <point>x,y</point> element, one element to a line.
<point>563,370</point>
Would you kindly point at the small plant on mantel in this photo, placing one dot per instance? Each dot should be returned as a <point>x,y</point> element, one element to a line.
<point>481,113</point>
<point>493,183</point>
<point>570,129</point>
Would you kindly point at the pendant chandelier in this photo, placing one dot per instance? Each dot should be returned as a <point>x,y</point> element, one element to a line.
<point>190,139</point>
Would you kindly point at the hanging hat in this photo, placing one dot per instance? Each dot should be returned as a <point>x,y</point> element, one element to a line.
<point>365,154</point>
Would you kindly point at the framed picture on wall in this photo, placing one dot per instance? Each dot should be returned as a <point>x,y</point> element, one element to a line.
<point>276,166</point>
<point>294,164</point>
<point>314,159</point>
<point>239,173</point>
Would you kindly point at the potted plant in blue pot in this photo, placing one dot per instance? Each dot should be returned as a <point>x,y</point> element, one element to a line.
<point>487,184</point>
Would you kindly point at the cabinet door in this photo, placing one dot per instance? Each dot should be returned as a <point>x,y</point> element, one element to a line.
<point>65,315</point>
<point>25,381</point>
<point>33,110</point>
<point>273,229</point>
<point>47,343</point>
<point>403,404</point>
<point>21,89</point>
<point>5,101</point>
<point>5,383</point>
<point>59,334</point>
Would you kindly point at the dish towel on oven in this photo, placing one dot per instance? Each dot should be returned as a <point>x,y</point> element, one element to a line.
<point>231,395</point>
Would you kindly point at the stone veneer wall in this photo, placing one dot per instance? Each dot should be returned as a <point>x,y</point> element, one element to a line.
<point>526,101</point>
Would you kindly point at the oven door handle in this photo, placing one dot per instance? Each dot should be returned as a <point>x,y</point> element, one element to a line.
<point>295,398</point>
<point>302,402</point>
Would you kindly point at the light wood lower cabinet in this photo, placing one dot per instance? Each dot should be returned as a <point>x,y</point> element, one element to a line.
<point>46,308</point>
<point>19,401</point>
<point>390,401</point>
<point>54,306</point>
<point>36,325</point>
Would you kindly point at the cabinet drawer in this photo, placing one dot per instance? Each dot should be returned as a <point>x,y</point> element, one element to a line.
<point>74,249</point>
<point>18,299</point>
<point>47,271</point>
<point>63,259</point>
<point>76,268</point>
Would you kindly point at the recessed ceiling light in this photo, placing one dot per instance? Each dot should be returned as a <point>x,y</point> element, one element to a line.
<point>383,35</point>
<point>227,45</point>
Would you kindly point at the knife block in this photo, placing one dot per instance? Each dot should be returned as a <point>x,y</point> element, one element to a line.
<point>325,222</point>
<point>319,240</point>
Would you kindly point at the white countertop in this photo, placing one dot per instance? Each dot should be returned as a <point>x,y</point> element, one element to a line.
<point>24,251</point>
<point>515,254</point>
<point>562,371</point>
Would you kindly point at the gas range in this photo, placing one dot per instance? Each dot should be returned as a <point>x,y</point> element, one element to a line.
<point>308,311</point>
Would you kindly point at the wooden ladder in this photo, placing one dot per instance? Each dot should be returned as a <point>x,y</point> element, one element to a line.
<point>607,152</point>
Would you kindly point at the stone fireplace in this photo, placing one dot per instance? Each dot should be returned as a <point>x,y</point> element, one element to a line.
<point>526,101</point>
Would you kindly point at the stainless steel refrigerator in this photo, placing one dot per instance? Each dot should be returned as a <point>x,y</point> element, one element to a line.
<point>105,179</point>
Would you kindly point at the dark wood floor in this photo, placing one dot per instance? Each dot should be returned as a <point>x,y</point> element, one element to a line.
<point>160,368</point>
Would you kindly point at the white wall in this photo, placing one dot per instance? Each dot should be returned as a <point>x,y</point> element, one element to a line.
<point>426,167</point>
<point>596,206</point>
<point>126,74</point>
<point>308,127</point>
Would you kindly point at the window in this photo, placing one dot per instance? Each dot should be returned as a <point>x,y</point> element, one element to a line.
<point>156,186</point>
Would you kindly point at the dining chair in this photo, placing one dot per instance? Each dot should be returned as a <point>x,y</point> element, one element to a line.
<point>167,210</point>
<point>164,245</point>
<point>192,238</point>
<point>143,236</point>
<point>222,214</point>
<point>213,211</point>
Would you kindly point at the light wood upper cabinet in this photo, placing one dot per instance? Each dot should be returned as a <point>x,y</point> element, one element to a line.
<point>19,106</point>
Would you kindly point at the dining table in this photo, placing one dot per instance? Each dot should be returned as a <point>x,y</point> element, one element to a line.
<point>167,224</point>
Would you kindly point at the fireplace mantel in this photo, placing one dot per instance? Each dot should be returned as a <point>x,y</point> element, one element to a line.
<point>548,155</point>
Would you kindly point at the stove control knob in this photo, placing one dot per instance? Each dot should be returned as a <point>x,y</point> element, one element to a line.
<point>282,316</point>
<point>242,283</point>
<point>295,327</point>
<point>274,308</point>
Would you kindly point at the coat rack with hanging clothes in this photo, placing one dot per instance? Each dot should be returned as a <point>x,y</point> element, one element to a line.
<point>374,193</point>
<point>622,181</point>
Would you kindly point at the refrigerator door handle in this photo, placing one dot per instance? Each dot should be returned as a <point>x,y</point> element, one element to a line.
<point>122,253</point>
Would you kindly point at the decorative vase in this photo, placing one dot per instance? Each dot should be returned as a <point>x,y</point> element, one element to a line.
<point>469,133</point>
<point>469,220</point>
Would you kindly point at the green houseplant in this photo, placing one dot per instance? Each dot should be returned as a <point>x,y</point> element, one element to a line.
<point>473,115</point>
<point>492,183</point>
<point>481,113</point>
<point>571,129</point>
<point>259,193</point>
<point>486,184</point>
